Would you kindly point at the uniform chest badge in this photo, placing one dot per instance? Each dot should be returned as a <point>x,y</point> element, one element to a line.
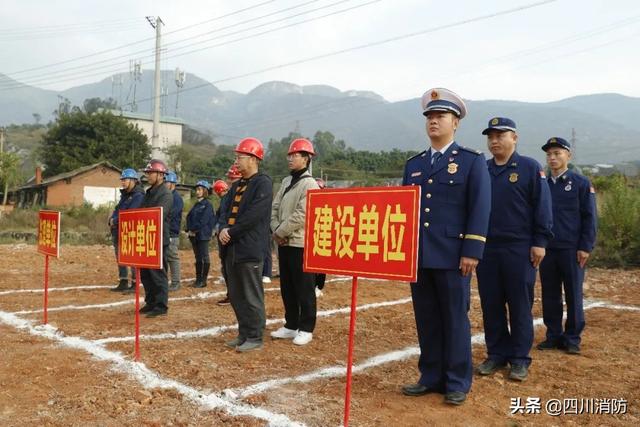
<point>567,188</point>
<point>452,168</point>
<point>513,177</point>
<point>414,174</point>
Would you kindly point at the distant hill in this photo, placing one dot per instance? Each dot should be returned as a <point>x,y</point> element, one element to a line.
<point>607,128</point>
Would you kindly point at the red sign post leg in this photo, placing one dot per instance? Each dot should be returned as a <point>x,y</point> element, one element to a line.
<point>46,287</point>
<point>137,285</point>
<point>352,330</point>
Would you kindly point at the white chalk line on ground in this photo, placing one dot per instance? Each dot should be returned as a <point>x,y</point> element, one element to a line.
<point>217,330</point>
<point>337,371</point>
<point>201,295</point>
<point>145,376</point>
<point>71,288</point>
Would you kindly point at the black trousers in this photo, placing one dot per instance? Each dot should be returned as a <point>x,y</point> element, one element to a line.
<point>200,250</point>
<point>297,289</point>
<point>247,298</point>
<point>156,285</point>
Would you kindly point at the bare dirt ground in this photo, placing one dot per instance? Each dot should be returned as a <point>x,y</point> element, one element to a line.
<point>80,370</point>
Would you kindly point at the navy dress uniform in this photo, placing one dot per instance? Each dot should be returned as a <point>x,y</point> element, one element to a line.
<point>454,215</point>
<point>574,227</point>
<point>520,219</point>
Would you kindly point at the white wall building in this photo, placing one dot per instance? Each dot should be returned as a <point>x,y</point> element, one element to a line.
<point>170,131</point>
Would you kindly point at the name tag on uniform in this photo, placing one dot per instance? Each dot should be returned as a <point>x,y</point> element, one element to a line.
<point>414,174</point>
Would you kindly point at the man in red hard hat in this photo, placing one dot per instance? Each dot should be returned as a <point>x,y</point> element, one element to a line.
<point>156,285</point>
<point>243,233</point>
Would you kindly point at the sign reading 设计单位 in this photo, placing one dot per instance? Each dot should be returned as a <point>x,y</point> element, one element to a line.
<point>363,232</point>
<point>140,238</point>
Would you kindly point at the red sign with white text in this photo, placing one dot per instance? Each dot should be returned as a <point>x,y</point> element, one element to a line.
<point>140,238</point>
<point>364,232</point>
<point>49,233</point>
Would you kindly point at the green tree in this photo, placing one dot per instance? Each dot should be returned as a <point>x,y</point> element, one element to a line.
<point>92,105</point>
<point>9,172</point>
<point>78,139</point>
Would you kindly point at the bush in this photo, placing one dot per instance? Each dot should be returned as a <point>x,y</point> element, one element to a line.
<point>618,241</point>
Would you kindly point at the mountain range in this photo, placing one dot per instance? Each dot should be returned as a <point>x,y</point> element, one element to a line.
<point>607,129</point>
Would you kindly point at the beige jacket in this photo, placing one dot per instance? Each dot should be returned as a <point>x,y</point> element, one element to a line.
<point>288,211</point>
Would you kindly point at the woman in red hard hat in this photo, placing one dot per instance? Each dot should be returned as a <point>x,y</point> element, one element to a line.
<point>288,213</point>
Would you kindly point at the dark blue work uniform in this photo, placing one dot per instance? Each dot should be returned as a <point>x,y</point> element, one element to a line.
<point>454,215</point>
<point>175,217</point>
<point>201,220</point>
<point>128,200</point>
<point>574,227</point>
<point>520,218</point>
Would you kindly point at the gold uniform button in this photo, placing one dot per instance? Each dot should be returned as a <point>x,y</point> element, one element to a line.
<point>430,181</point>
<point>426,224</point>
<point>427,210</point>
<point>428,195</point>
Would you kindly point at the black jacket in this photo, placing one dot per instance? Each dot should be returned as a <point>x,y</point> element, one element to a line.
<point>160,196</point>
<point>251,231</point>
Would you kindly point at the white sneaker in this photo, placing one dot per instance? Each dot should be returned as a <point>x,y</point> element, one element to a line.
<point>266,279</point>
<point>319,292</point>
<point>303,338</point>
<point>284,333</point>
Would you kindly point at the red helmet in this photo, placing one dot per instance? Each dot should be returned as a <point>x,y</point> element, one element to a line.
<point>301,144</point>
<point>156,165</point>
<point>233,172</point>
<point>321,183</point>
<point>251,146</point>
<point>220,187</point>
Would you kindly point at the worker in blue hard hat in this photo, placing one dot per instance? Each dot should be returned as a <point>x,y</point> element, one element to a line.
<point>175,219</point>
<point>131,195</point>
<point>200,223</point>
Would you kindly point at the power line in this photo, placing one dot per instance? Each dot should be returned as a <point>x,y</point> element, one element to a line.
<point>376,43</point>
<point>66,61</point>
<point>45,78</point>
<point>82,74</point>
<point>41,28</point>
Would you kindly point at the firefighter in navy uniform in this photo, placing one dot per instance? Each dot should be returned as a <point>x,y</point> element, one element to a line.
<point>574,226</point>
<point>454,216</point>
<point>519,231</point>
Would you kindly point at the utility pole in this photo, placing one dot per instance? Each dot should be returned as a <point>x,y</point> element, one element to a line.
<point>1,140</point>
<point>155,134</point>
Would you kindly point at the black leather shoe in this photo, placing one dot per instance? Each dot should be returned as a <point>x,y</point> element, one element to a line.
<point>417,390</point>
<point>200,285</point>
<point>548,345</point>
<point>489,366</point>
<point>455,398</point>
<point>518,372</point>
<point>157,312</point>
<point>146,309</point>
<point>572,349</point>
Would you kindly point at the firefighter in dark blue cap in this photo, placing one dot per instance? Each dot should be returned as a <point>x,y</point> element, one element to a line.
<point>574,229</point>
<point>519,231</point>
<point>200,223</point>
<point>454,215</point>
<point>131,195</point>
<point>175,219</point>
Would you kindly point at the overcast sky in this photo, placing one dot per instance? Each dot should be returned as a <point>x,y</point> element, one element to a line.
<point>549,51</point>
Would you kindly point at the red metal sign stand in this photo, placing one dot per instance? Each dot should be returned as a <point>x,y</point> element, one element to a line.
<point>46,286</point>
<point>137,285</point>
<point>352,330</point>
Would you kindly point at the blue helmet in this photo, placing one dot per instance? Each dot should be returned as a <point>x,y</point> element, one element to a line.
<point>129,174</point>
<point>171,177</point>
<point>203,183</point>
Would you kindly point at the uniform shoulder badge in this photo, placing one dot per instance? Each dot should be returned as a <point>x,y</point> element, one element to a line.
<point>471,150</point>
<point>421,154</point>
